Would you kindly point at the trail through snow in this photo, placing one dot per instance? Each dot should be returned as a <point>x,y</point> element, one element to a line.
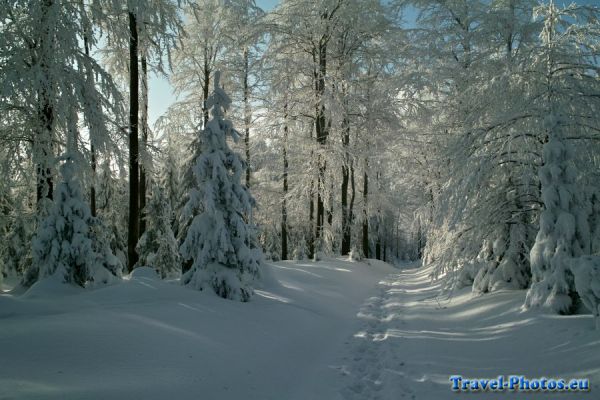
<point>330,330</point>
<point>412,340</point>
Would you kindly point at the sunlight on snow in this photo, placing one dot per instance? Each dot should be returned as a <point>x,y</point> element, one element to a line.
<point>272,296</point>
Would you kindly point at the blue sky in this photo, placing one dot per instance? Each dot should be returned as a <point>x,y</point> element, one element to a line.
<point>160,91</point>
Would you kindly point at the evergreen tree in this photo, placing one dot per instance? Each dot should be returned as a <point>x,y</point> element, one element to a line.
<point>63,243</point>
<point>17,250</point>
<point>566,61</point>
<point>157,247</point>
<point>220,242</point>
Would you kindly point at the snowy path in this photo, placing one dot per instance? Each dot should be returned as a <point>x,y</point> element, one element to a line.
<point>332,330</point>
<point>147,339</point>
<point>411,341</point>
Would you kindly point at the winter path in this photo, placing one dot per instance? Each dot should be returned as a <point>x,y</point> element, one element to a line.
<point>149,339</point>
<point>411,340</point>
<point>332,330</point>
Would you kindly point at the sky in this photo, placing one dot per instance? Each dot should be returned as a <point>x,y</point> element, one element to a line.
<point>160,95</point>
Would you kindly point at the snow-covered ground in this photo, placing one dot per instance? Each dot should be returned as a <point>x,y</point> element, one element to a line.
<point>412,340</point>
<point>314,331</point>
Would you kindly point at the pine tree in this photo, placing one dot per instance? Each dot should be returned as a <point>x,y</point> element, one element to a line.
<point>157,247</point>
<point>63,243</point>
<point>17,250</point>
<point>220,242</point>
<point>566,60</point>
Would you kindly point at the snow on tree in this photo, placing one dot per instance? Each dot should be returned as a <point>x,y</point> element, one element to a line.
<point>220,242</point>
<point>103,235</point>
<point>157,247</point>
<point>586,272</point>
<point>567,64</point>
<point>16,254</point>
<point>563,230</point>
<point>63,243</point>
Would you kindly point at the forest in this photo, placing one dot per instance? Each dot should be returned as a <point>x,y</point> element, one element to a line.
<point>463,133</point>
<point>444,152</point>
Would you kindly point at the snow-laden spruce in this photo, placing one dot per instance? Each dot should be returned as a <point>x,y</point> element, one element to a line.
<point>220,242</point>
<point>564,230</point>
<point>63,243</point>
<point>157,247</point>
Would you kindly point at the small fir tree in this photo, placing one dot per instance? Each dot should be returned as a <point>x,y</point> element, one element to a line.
<point>63,243</point>
<point>157,247</point>
<point>220,242</point>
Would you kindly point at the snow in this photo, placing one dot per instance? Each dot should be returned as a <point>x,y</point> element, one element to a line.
<point>330,330</point>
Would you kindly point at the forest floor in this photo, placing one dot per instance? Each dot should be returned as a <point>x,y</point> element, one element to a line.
<point>327,330</point>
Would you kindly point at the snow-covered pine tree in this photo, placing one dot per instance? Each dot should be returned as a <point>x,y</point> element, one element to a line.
<point>63,242</point>
<point>157,247</point>
<point>220,243</point>
<point>566,60</point>
<point>17,249</point>
<point>563,230</point>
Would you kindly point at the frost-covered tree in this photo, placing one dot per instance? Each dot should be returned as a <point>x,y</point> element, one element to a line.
<point>63,243</point>
<point>566,61</point>
<point>220,241</point>
<point>45,76</point>
<point>139,38</point>
<point>157,247</point>
<point>111,193</point>
<point>17,245</point>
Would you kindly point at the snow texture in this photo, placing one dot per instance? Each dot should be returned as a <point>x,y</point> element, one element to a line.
<point>332,330</point>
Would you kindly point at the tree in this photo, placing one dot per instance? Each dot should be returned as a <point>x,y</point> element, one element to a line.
<point>567,64</point>
<point>134,186</point>
<point>244,30</point>
<point>219,241</point>
<point>147,31</point>
<point>45,76</point>
<point>157,247</point>
<point>63,242</point>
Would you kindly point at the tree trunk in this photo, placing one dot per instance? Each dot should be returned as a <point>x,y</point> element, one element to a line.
<point>320,203</point>
<point>346,226</point>
<point>134,228</point>
<point>321,128</point>
<point>205,90</point>
<point>352,198</point>
<point>365,227</point>
<point>284,233</point>
<point>247,115</point>
<point>144,115</point>
<point>311,220</point>
<point>90,78</point>
<point>378,245</point>
<point>43,153</point>
<point>330,209</point>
